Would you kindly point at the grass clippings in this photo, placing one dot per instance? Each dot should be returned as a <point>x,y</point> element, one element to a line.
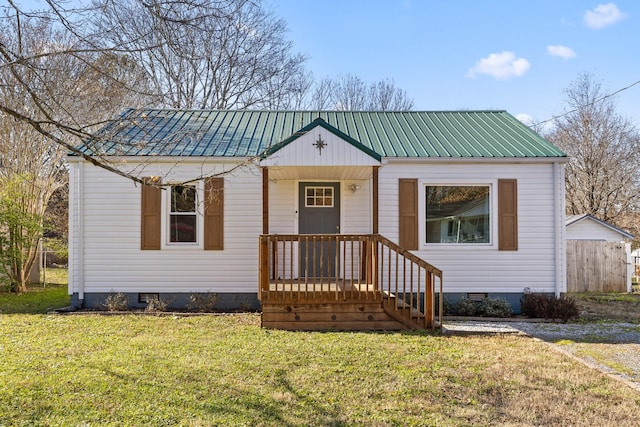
<point>226,370</point>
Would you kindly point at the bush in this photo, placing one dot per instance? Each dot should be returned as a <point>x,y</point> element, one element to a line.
<point>467,307</point>
<point>447,307</point>
<point>156,304</point>
<point>202,302</point>
<point>488,307</point>
<point>116,302</point>
<point>549,307</point>
<point>498,307</point>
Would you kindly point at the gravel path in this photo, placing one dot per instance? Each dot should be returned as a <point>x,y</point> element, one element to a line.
<point>613,348</point>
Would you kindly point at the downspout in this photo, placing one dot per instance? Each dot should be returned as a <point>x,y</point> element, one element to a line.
<point>560,250</point>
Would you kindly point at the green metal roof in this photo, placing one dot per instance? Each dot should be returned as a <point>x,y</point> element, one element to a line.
<point>248,133</point>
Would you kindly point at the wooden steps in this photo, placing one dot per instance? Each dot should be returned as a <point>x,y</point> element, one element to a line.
<point>361,316</point>
<point>403,313</point>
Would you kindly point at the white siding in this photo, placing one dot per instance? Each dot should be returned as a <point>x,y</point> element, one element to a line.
<point>105,250</point>
<point>483,268</point>
<point>112,258</point>
<point>336,152</point>
<point>75,231</point>
<point>587,229</point>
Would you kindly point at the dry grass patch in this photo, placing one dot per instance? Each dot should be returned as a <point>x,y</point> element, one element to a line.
<point>226,370</point>
<point>608,306</point>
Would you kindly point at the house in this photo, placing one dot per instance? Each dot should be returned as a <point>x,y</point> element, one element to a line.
<point>325,219</point>
<point>599,257</point>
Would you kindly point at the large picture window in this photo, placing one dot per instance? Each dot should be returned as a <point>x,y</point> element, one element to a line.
<point>183,217</point>
<point>458,214</point>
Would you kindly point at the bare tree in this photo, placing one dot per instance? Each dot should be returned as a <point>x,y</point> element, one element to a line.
<point>156,53</point>
<point>349,92</point>
<point>207,54</point>
<point>385,96</point>
<point>322,96</point>
<point>47,97</point>
<point>30,164</point>
<point>603,172</point>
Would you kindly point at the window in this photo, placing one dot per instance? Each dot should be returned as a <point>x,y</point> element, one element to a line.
<point>183,217</point>
<point>458,214</point>
<point>319,197</point>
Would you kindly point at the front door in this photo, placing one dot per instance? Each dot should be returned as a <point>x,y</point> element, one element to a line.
<point>319,213</point>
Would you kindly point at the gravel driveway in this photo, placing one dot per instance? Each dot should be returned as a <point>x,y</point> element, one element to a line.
<point>613,348</point>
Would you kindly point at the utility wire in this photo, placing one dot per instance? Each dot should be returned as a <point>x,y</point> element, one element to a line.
<point>589,104</point>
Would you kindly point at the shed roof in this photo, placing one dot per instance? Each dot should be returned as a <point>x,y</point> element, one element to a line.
<point>248,133</point>
<point>574,219</point>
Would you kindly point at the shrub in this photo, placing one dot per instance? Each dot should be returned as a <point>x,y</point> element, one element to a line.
<point>116,302</point>
<point>549,307</point>
<point>155,304</point>
<point>488,307</point>
<point>202,302</point>
<point>498,307</point>
<point>467,307</point>
<point>447,307</point>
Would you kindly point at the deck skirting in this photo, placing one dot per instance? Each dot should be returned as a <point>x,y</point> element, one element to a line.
<point>337,316</point>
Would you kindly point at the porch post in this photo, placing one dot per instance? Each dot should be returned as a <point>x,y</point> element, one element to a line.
<point>375,199</point>
<point>265,200</point>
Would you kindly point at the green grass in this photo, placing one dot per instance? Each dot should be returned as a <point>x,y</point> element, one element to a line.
<point>226,370</point>
<point>39,298</point>
<point>138,370</point>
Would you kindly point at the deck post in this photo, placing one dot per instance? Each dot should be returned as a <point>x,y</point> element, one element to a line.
<point>374,265</point>
<point>428,304</point>
<point>374,202</point>
<point>265,200</point>
<point>264,267</point>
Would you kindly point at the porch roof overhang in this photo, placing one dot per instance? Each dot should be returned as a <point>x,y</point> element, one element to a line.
<point>320,172</point>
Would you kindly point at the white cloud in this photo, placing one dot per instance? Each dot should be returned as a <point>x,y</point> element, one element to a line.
<point>561,51</point>
<point>501,66</point>
<point>603,15</point>
<point>541,128</point>
<point>525,118</point>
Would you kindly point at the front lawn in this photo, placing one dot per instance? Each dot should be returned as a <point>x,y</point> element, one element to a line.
<point>100,369</point>
<point>94,369</point>
<point>40,297</point>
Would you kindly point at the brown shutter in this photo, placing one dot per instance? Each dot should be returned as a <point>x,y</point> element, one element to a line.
<point>408,213</point>
<point>214,214</point>
<point>507,215</point>
<point>151,214</point>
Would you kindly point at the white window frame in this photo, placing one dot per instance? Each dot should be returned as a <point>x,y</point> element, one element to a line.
<point>323,187</point>
<point>166,223</point>
<point>493,214</point>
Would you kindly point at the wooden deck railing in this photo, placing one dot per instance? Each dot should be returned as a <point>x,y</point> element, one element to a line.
<point>310,268</point>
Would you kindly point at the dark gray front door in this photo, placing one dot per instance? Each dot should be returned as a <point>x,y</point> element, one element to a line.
<point>319,213</point>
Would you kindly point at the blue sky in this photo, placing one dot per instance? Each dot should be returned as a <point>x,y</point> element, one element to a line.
<point>514,55</point>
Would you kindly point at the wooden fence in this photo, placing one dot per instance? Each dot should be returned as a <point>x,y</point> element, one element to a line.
<point>595,266</point>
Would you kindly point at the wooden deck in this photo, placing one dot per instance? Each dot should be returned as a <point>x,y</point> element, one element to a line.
<point>376,285</point>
